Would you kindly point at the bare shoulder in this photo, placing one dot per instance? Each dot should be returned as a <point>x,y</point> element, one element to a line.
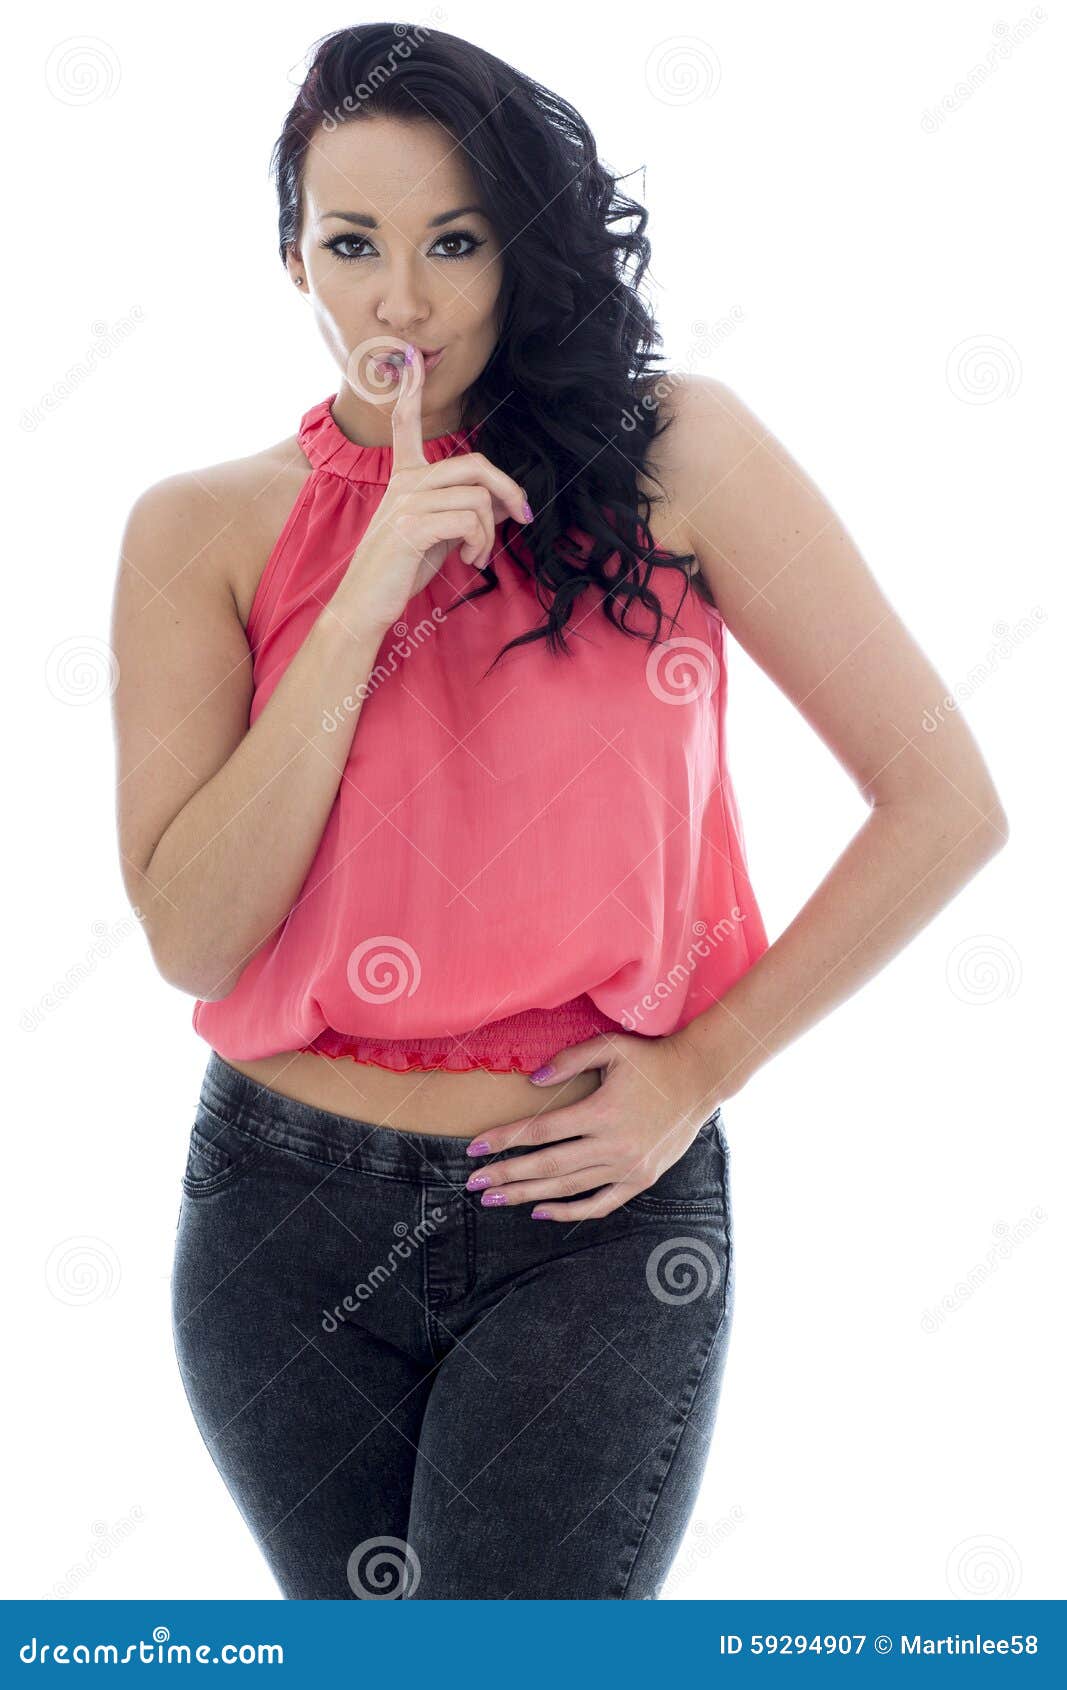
<point>214,528</point>
<point>700,421</point>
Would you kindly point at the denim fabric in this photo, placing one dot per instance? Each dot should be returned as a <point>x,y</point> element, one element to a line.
<point>410,1396</point>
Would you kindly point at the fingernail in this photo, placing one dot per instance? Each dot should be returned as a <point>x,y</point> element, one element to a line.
<point>540,1215</point>
<point>492,1198</point>
<point>409,354</point>
<point>526,511</point>
<point>545,1072</point>
<point>477,1182</point>
<point>480,1147</point>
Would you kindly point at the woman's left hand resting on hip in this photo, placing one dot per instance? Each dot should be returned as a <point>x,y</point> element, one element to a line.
<point>651,1102</point>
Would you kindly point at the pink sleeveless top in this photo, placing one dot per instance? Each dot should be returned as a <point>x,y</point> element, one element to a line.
<point>515,862</point>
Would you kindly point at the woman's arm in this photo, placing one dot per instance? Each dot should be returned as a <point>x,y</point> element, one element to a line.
<point>794,591</point>
<point>218,822</point>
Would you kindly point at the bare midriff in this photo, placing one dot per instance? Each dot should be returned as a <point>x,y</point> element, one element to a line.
<point>458,1104</point>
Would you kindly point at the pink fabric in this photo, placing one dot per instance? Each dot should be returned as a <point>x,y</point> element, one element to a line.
<point>539,855</point>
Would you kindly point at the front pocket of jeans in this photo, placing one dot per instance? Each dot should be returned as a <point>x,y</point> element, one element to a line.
<point>694,1186</point>
<point>219,1152</point>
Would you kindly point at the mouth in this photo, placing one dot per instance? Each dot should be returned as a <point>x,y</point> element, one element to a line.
<point>393,362</point>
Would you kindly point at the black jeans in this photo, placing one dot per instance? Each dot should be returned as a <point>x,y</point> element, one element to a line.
<point>410,1396</point>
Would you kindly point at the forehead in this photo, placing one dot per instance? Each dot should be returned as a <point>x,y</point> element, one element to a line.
<point>387,168</point>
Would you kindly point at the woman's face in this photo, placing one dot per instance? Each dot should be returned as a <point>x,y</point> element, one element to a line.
<point>383,262</point>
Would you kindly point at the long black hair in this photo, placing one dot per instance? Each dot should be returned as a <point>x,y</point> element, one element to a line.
<point>566,402</point>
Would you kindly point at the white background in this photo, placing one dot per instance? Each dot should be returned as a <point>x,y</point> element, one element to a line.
<point>855,230</point>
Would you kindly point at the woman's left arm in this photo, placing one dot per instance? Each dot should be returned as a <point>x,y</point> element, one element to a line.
<point>794,591</point>
<point>796,594</point>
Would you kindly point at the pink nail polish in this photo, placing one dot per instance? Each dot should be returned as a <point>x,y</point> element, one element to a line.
<point>478,1182</point>
<point>409,354</point>
<point>526,511</point>
<point>545,1072</point>
<point>540,1215</point>
<point>492,1199</point>
<point>480,1147</point>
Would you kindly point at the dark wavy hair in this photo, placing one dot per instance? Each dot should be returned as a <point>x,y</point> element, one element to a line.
<point>566,394</point>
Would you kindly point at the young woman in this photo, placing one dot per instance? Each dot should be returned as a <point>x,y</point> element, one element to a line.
<point>424,797</point>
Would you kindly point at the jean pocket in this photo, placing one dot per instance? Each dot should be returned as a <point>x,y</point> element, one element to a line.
<point>219,1152</point>
<point>694,1187</point>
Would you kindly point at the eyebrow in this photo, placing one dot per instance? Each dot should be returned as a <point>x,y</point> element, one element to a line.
<point>366,222</point>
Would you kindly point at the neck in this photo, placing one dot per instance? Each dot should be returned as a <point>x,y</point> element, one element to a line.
<point>371,425</point>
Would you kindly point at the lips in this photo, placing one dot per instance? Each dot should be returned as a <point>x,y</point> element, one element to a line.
<point>393,362</point>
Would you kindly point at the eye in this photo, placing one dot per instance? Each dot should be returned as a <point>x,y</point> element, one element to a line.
<point>340,243</point>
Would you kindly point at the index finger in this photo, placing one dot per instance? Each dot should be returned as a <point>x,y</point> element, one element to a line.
<point>407,416</point>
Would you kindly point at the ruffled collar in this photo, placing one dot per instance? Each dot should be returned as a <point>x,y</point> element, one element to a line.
<point>325,445</point>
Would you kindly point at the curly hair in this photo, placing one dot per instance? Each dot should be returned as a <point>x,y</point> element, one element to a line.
<point>566,395</point>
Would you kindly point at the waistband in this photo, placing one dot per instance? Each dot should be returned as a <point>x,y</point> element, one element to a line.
<point>431,1158</point>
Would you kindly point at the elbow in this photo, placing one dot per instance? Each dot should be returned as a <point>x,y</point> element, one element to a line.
<point>204,977</point>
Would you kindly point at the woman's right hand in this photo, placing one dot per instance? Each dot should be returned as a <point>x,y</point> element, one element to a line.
<point>427,510</point>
